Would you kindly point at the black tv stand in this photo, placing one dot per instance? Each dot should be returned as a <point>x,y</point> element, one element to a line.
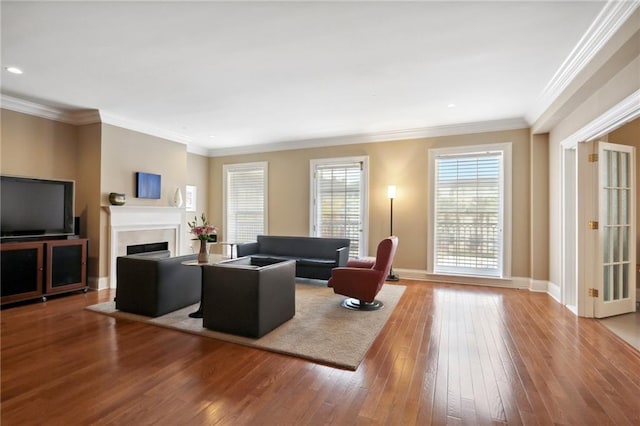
<point>31,238</point>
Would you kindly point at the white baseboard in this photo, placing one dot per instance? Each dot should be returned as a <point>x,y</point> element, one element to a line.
<point>573,309</point>
<point>553,290</point>
<point>538,286</point>
<point>98,283</point>
<point>422,275</point>
<point>541,286</point>
<point>548,287</point>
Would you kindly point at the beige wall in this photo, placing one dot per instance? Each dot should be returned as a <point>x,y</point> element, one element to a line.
<point>198,176</point>
<point>88,195</point>
<point>613,75</point>
<point>37,147</point>
<point>539,207</point>
<point>101,159</point>
<point>125,152</point>
<point>403,163</point>
<point>104,158</point>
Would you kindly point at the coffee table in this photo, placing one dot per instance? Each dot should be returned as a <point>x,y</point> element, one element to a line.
<point>231,245</point>
<point>213,259</point>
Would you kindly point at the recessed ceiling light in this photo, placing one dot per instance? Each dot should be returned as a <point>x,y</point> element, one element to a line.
<point>212,136</point>
<point>451,106</point>
<point>13,70</point>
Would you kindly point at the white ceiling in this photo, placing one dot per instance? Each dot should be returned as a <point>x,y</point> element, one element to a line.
<point>253,73</point>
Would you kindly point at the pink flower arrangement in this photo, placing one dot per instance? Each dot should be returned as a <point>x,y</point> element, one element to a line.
<point>202,232</point>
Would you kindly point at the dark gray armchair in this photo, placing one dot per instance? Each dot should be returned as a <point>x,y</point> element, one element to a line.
<point>248,300</point>
<point>154,284</point>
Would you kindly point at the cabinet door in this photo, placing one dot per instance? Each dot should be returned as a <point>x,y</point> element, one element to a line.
<point>21,271</point>
<point>66,265</point>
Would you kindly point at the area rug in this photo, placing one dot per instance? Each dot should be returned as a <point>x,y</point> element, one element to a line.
<point>321,330</point>
<point>626,327</point>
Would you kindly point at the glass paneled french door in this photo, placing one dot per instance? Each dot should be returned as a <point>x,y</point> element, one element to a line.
<point>617,234</point>
<point>338,201</point>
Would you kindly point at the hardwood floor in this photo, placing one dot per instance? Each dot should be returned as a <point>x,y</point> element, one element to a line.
<point>448,355</point>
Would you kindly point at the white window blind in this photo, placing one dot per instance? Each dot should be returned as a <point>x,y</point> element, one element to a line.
<point>245,199</point>
<point>469,214</point>
<point>339,203</point>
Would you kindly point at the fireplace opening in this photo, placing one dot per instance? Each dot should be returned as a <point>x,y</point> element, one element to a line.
<point>144,248</point>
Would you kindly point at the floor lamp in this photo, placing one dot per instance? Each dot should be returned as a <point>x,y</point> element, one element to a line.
<point>391,192</point>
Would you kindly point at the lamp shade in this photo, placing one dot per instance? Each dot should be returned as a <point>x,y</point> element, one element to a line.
<point>391,191</point>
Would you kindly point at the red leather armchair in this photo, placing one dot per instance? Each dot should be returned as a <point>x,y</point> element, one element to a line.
<point>361,280</point>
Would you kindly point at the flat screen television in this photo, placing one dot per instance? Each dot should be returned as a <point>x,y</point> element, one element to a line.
<point>148,185</point>
<point>35,207</point>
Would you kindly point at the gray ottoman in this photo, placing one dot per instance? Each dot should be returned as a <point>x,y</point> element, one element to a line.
<point>154,284</point>
<point>247,300</point>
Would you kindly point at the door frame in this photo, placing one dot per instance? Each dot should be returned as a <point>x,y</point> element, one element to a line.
<point>364,202</point>
<point>625,111</point>
<point>569,209</point>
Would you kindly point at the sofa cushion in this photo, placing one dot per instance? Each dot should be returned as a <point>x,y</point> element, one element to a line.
<point>313,262</point>
<point>267,259</point>
<point>301,247</point>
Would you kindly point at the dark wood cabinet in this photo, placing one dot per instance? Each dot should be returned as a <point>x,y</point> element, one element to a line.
<point>21,271</point>
<point>66,265</point>
<point>36,269</point>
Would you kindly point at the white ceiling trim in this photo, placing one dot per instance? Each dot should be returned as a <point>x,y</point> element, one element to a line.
<point>623,112</point>
<point>388,136</point>
<point>77,118</point>
<point>89,116</point>
<point>82,117</point>
<point>137,126</point>
<point>608,22</point>
<point>197,149</point>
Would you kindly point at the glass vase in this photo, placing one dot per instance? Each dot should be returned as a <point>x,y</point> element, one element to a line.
<point>203,255</point>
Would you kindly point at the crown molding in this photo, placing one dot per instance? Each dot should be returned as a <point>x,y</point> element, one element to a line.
<point>82,117</point>
<point>197,149</point>
<point>386,136</point>
<point>612,16</point>
<point>78,117</point>
<point>108,118</point>
<point>623,112</point>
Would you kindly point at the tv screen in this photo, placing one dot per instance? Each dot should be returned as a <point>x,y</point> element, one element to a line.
<point>34,207</point>
<point>147,185</point>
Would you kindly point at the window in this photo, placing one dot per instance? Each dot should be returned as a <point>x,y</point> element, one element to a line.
<point>190,195</point>
<point>338,200</point>
<point>470,190</point>
<point>245,198</point>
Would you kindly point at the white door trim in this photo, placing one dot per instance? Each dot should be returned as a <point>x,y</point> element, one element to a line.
<point>364,160</point>
<point>623,112</point>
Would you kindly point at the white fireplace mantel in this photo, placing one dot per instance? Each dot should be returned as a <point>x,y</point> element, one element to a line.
<point>136,215</point>
<point>142,218</point>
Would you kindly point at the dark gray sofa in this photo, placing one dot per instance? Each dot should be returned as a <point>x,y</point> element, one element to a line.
<point>154,283</point>
<point>315,257</point>
<point>245,299</point>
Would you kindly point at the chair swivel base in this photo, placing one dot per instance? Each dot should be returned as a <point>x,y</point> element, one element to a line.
<point>359,305</point>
